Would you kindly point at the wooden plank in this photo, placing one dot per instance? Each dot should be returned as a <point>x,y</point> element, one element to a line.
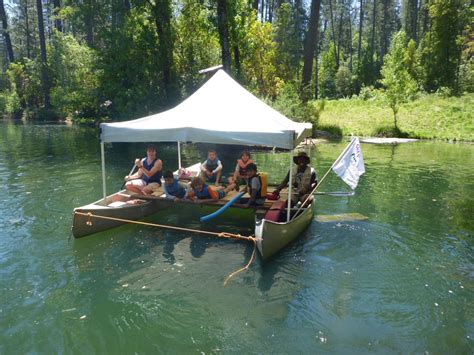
<point>343,217</point>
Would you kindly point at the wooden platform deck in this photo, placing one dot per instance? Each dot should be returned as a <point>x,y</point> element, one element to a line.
<point>160,195</point>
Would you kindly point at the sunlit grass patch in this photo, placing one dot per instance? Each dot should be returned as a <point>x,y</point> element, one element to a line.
<point>429,117</point>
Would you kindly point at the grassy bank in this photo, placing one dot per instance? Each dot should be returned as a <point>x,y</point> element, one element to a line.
<point>429,117</point>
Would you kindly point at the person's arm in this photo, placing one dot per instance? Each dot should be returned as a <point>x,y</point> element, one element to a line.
<point>312,182</point>
<point>138,174</point>
<point>157,167</point>
<point>168,195</point>
<point>254,196</point>
<point>236,172</point>
<point>314,178</point>
<point>203,166</point>
<point>186,190</point>
<point>283,183</point>
<point>219,167</point>
<point>191,195</point>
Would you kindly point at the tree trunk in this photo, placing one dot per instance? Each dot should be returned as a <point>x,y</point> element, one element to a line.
<point>6,35</point>
<point>350,35</point>
<point>372,45</point>
<point>27,31</point>
<point>411,19</point>
<point>271,6</point>
<point>333,32</point>
<point>162,14</point>
<point>384,36</point>
<point>316,73</point>
<point>424,19</point>
<point>255,5</point>
<point>237,61</point>
<point>44,62</point>
<point>57,21</point>
<point>311,42</point>
<point>223,27</point>
<point>339,35</point>
<point>89,22</point>
<point>361,24</point>
<point>297,8</point>
<point>415,21</point>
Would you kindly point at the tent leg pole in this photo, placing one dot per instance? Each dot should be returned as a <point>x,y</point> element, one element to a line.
<point>102,158</point>
<point>290,186</point>
<point>179,155</point>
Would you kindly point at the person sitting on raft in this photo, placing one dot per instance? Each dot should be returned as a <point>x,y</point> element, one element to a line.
<point>211,169</point>
<point>304,178</point>
<point>174,189</point>
<point>254,187</point>
<point>201,192</point>
<point>241,169</point>
<point>148,176</point>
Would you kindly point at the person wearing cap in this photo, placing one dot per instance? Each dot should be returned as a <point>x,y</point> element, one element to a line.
<point>304,178</point>
<point>148,176</point>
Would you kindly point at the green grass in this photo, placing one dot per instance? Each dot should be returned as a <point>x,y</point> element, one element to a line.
<point>428,117</point>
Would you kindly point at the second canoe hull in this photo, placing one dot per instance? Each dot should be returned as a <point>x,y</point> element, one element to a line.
<point>84,225</point>
<point>274,236</point>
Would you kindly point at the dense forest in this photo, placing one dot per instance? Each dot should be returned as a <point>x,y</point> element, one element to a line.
<point>120,59</point>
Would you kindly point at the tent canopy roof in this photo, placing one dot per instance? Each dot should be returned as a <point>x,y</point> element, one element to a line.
<point>220,112</point>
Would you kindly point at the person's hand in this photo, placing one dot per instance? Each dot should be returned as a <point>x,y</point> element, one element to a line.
<point>138,162</point>
<point>126,178</point>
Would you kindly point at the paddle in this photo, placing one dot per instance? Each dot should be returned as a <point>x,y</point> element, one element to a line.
<point>223,208</point>
<point>130,173</point>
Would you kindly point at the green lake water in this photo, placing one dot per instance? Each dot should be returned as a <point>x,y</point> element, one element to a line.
<point>401,281</point>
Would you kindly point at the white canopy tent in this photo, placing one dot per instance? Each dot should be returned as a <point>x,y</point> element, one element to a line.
<point>220,112</point>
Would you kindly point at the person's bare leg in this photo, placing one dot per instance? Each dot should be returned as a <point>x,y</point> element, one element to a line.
<point>134,189</point>
<point>151,188</point>
<point>230,187</point>
<point>218,177</point>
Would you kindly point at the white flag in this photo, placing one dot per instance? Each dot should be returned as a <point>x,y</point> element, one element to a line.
<point>351,164</point>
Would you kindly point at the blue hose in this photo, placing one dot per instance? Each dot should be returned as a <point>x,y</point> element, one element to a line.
<point>222,209</point>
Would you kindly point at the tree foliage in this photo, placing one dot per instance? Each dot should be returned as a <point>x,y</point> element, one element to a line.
<point>76,78</point>
<point>396,78</point>
<point>142,56</point>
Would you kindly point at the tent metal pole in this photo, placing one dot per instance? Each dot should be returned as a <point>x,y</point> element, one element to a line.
<point>102,158</point>
<point>179,155</point>
<point>290,187</point>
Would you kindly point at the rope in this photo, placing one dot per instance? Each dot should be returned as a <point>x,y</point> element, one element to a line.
<point>216,234</point>
<point>252,257</point>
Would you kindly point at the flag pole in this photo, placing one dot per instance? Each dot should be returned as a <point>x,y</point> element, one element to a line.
<point>322,179</point>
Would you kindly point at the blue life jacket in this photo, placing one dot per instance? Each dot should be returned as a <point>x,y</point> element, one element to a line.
<point>212,165</point>
<point>153,178</point>
<point>176,189</point>
<point>204,194</point>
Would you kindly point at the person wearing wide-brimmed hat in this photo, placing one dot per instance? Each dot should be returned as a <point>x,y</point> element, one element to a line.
<point>304,178</point>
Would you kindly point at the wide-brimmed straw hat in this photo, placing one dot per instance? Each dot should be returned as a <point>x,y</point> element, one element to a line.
<point>300,155</point>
